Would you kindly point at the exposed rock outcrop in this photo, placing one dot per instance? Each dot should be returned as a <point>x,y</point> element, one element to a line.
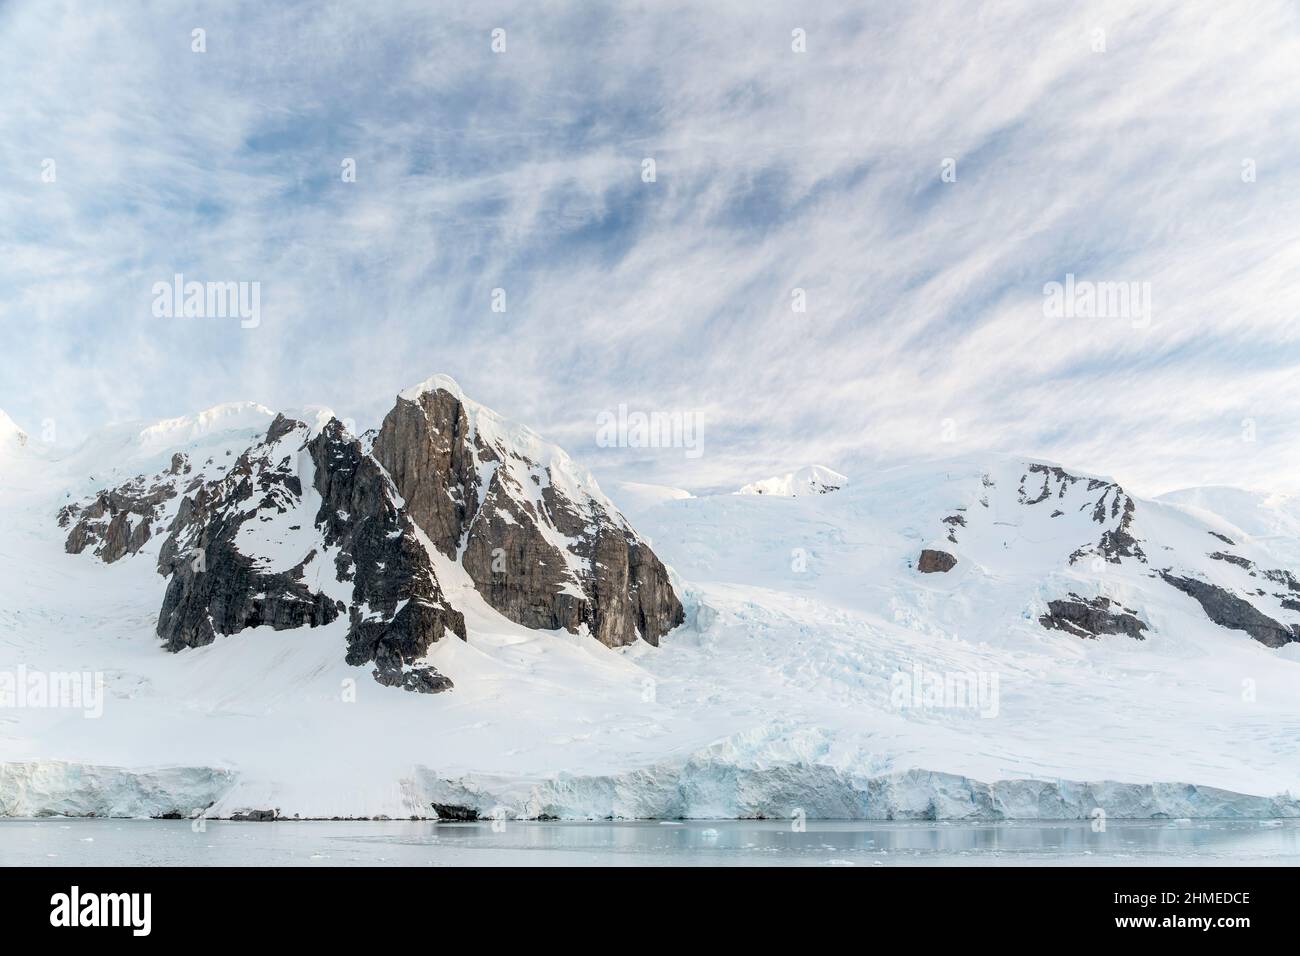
<point>1052,489</point>
<point>1284,578</point>
<point>1228,610</point>
<point>1117,542</point>
<point>1089,618</point>
<point>540,542</point>
<point>255,816</point>
<point>455,813</point>
<point>119,521</point>
<point>1239,561</point>
<point>932,561</point>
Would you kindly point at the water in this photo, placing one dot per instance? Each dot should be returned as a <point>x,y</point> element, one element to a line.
<point>63,842</point>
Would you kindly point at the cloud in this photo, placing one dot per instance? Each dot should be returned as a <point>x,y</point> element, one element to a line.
<point>774,171</point>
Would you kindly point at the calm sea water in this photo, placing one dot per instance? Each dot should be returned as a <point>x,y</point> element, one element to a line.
<point>61,842</point>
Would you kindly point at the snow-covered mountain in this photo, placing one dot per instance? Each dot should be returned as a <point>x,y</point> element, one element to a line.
<point>310,524</point>
<point>812,480</point>
<point>986,637</point>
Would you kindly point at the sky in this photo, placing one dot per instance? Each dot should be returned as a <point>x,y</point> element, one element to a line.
<point>841,256</point>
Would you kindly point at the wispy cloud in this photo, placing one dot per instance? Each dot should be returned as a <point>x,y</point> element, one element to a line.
<point>775,170</point>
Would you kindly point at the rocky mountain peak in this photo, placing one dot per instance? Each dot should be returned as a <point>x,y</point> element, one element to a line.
<point>540,541</point>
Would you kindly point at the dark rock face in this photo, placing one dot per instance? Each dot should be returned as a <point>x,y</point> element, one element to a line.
<point>255,816</point>
<point>217,589</point>
<point>1233,559</point>
<point>223,578</point>
<point>1042,494</point>
<point>539,546</point>
<point>932,561</point>
<point>454,813</point>
<point>119,521</point>
<point>954,522</point>
<point>1285,578</point>
<point>1056,483</point>
<point>428,450</point>
<point>1089,618</point>
<point>1119,542</point>
<point>1228,610</point>
<point>381,555</point>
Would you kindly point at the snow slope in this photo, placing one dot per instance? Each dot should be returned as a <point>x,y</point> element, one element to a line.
<point>11,436</point>
<point>634,497</point>
<point>1270,518</point>
<point>812,480</point>
<point>789,688</point>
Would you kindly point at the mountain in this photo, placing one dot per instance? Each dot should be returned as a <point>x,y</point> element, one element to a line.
<point>987,637</point>
<point>812,480</point>
<point>309,525</point>
<point>1054,508</point>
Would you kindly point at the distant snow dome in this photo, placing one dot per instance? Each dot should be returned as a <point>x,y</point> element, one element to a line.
<point>154,437</point>
<point>812,480</point>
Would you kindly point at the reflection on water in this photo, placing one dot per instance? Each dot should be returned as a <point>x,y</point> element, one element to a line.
<point>722,843</point>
